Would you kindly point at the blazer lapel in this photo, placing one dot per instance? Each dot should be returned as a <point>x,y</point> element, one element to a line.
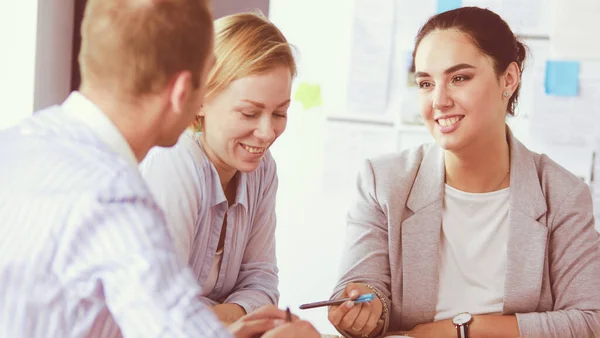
<point>420,241</point>
<point>527,237</point>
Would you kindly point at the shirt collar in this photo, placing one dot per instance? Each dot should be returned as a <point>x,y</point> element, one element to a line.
<point>241,194</point>
<point>81,108</point>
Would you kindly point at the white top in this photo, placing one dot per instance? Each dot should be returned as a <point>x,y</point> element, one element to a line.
<point>472,256</point>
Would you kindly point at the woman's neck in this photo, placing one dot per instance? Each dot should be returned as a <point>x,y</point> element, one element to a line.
<point>479,169</point>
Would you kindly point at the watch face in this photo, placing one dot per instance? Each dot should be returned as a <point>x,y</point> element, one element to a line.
<point>462,318</point>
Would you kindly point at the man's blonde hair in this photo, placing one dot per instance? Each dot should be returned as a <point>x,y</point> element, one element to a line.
<point>136,46</point>
<point>246,44</point>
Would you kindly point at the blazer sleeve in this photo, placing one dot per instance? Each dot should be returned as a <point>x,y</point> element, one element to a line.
<point>574,258</point>
<point>366,253</point>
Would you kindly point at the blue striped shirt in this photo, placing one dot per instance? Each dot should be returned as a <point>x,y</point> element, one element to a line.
<point>84,249</point>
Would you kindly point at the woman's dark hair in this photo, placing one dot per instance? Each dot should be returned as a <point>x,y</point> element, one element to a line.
<point>489,33</point>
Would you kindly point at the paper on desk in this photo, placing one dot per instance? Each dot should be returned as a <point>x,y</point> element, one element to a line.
<point>574,30</point>
<point>370,56</point>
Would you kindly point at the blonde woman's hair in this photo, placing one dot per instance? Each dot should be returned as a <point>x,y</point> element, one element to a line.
<point>136,46</point>
<point>246,44</point>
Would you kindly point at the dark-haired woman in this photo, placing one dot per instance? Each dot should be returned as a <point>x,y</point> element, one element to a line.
<point>474,235</point>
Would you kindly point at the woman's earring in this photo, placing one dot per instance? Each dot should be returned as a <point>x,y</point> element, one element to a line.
<point>506,95</point>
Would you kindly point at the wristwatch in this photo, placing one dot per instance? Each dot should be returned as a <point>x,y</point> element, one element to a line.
<point>461,322</point>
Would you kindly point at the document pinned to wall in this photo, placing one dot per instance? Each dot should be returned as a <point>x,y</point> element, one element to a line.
<point>347,146</point>
<point>534,73</point>
<point>574,30</point>
<point>525,17</point>
<point>370,56</point>
<point>570,121</point>
<point>410,16</point>
<point>567,120</point>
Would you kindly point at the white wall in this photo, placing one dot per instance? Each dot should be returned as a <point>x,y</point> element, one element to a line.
<point>17,60</point>
<point>53,52</point>
<point>311,223</point>
<point>321,32</point>
<point>35,63</point>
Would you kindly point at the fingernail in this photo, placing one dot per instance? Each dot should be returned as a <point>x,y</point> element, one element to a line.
<point>278,322</point>
<point>353,293</point>
<point>350,304</point>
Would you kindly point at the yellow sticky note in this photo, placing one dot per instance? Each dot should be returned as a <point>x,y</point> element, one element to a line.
<point>309,95</point>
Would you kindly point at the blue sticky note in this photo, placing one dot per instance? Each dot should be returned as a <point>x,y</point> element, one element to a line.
<point>448,5</point>
<point>562,78</point>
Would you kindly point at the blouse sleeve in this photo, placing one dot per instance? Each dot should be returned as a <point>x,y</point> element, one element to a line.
<point>172,177</point>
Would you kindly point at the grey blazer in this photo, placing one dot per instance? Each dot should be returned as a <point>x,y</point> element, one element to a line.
<point>553,266</point>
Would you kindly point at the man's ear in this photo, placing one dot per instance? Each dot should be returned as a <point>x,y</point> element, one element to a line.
<point>181,89</point>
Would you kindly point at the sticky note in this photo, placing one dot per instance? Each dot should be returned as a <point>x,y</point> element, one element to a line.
<point>309,95</point>
<point>562,78</point>
<point>448,5</point>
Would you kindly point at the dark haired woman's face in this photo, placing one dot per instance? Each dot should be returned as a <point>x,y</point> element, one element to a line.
<point>460,95</point>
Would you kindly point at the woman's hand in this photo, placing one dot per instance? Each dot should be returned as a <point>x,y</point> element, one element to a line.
<point>270,322</point>
<point>258,322</point>
<point>356,319</point>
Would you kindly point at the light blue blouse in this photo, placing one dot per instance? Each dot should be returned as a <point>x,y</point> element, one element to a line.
<point>186,185</point>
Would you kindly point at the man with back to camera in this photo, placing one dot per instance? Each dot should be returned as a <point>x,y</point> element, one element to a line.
<point>84,249</point>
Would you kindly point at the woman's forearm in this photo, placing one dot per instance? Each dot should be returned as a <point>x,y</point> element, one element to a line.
<point>488,326</point>
<point>494,326</point>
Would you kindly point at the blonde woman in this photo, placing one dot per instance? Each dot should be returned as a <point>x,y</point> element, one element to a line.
<point>217,186</point>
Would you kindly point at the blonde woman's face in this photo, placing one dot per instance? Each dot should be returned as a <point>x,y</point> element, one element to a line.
<point>244,120</point>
